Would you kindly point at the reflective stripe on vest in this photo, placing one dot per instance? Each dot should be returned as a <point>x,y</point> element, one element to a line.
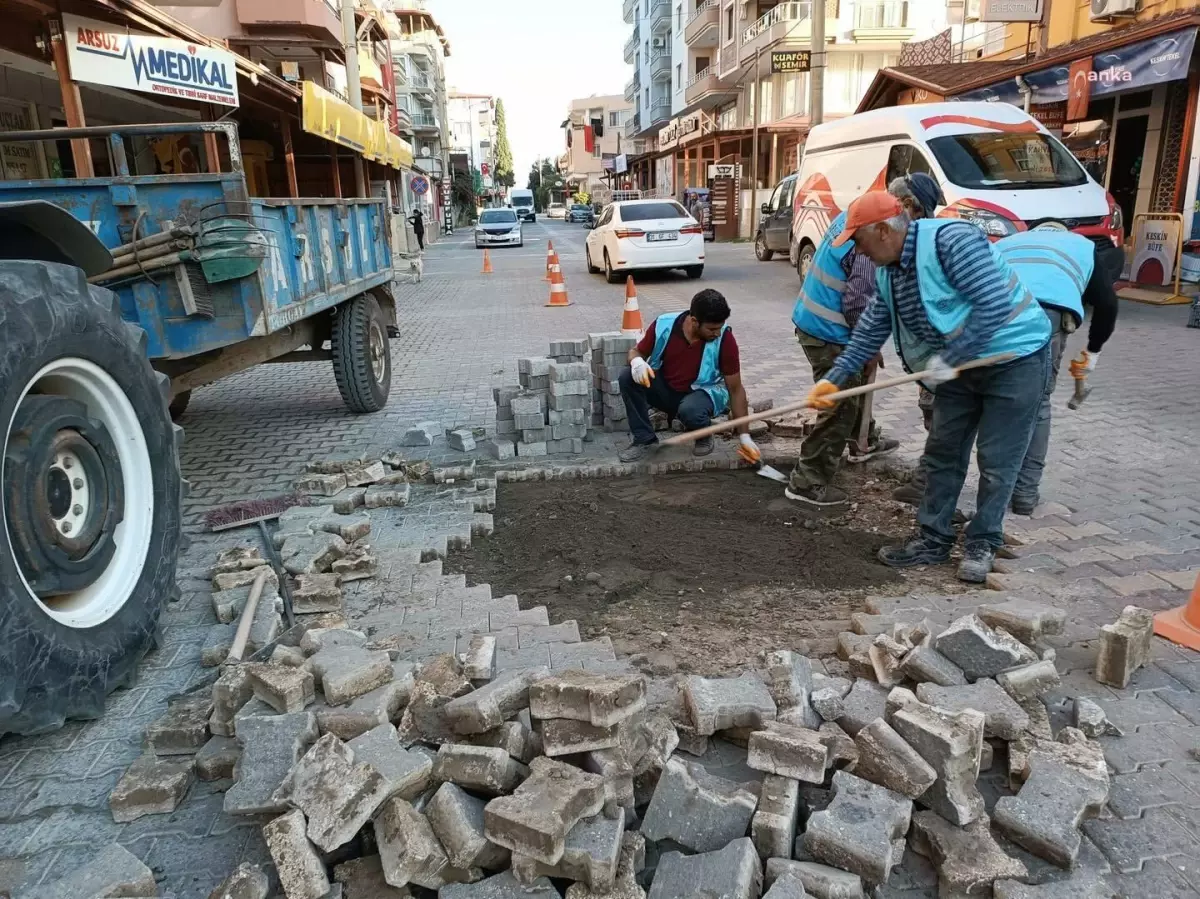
<point>709,378</point>
<point>1055,265</point>
<point>818,309</point>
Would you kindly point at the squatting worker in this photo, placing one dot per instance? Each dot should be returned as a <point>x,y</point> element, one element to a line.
<point>1064,274</point>
<point>688,366</point>
<point>949,297</point>
<point>836,290</point>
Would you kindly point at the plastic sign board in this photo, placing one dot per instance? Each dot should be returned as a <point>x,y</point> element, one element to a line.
<point>1155,242</point>
<point>419,184</point>
<point>1011,11</point>
<point>784,62</point>
<point>724,170</point>
<point>102,53</point>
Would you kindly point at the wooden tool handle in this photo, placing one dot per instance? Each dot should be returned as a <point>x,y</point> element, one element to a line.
<point>243,631</point>
<point>691,436</point>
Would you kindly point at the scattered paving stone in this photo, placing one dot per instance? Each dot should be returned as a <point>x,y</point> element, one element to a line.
<point>485,769</point>
<point>885,758</point>
<point>981,651</point>
<point>479,662</point>
<point>501,886</point>
<point>345,502</point>
<point>561,736</point>
<point>843,752</point>
<point>952,743</point>
<point>408,849</point>
<point>422,434</point>
<point>363,713</point>
<point>362,878</point>
<point>790,680</point>
<point>349,527</point>
<point>287,656</point>
<point>462,440</point>
<point>514,737</point>
<point>862,830</point>
<point>316,639</point>
<point>183,729</point>
<point>1003,717</point>
<point>232,580</point>
<point>789,751</point>
<point>1091,719</point>
<point>358,564</point>
<point>625,886</point>
<point>828,695</point>
<point>535,820</point>
<point>345,672</point>
<point>382,496</point>
<point>230,692</point>
<point>729,702</point>
<point>1046,815</point>
<point>217,643</point>
<point>821,881</point>
<point>457,821</point>
<point>1084,885</point>
<point>271,746</point>
<point>1028,621</point>
<point>731,872</point>
<point>246,882</point>
<point>697,810</point>
<point>494,703</point>
<point>1029,681</point>
<point>321,484</point>
<point>924,664</point>
<point>773,827</point>
<point>316,593</point>
<point>151,786</point>
<point>228,604</point>
<point>300,869</point>
<point>217,759</point>
<point>367,473</point>
<point>286,690</point>
<point>311,554</point>
<point>405,774</point>
<point>968,859</point>
<point>789,886</point>
<point>590,854</point>
<point>113,871</point>
<point>1124,647</point>
<point>865,702</point>
<point>599,699</point>
<point>336,466</point>
<point>238,558</point>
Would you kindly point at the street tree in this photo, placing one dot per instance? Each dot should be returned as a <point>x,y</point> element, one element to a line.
<point>504,158</point>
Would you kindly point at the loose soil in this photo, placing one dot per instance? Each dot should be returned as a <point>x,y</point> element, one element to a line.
<point>698,571</point>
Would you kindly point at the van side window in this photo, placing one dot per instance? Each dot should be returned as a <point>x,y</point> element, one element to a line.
<point>905,160</point>
<point>787,191</point>
<point>773,203</point>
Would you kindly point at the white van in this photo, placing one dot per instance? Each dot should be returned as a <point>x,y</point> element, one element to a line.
<point>998,167</point>
<point>521,200</point>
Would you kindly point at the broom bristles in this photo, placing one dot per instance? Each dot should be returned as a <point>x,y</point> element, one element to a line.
<point>250,510</point>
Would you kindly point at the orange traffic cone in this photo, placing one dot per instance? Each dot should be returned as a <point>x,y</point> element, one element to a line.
<point>1182,625</point>
<point>558,289</point>
<point>550,257</point>
<point>631,321</point>
<point>487,263</point>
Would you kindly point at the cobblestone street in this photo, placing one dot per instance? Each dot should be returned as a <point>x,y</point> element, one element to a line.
<point>1120,525</point>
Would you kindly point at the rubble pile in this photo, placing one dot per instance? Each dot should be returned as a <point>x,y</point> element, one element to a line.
<point>379,777</point>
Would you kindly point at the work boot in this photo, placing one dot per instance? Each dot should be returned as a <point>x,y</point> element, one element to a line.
<point>909,493</point>
<point>978,556</point>
<point>879,446</point>
<point>1022,505</point>
<point>636,452</point>
<point>703,446</point>
<point>823,496</point>
<point>919,550</point>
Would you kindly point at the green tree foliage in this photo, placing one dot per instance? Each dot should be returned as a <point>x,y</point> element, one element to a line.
<point>504,157</point>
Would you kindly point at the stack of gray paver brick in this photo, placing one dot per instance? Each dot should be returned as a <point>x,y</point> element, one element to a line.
<point>550,411</point>
<point>607,364</point>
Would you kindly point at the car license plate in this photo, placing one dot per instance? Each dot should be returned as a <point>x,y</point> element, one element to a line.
<point>662,235</point>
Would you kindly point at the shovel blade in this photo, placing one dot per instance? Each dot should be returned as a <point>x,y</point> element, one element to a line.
<point>774,474</point>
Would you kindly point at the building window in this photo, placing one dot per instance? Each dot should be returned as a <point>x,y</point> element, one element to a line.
<point>614,119</point>
<point>729,25</point>
<point>596,150</point>
<point>678,76</point>
<point>679,17</point>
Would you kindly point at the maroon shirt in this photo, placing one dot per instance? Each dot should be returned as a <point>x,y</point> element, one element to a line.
<point>681,360</point>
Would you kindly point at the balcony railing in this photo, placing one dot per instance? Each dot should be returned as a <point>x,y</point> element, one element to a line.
<point>629,11</point>
<point>632,88</point>
<point>660,110</point>
<point>660,15</point>
<point>791,21</point>
<point>784,12</point>
<point>631,45</point>
<point>420,81</point>
<point>660,63</point>
<point>881,14</point>
<point>425,120</point>
<point>633,126</point>
<point>703,25</point>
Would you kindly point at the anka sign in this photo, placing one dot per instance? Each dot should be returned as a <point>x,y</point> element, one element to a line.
<point>101,53</point>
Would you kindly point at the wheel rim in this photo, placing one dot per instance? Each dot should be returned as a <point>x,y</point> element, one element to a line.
<point>806,259</point>
<point>377,345</point>
<point>80,473</point>
<point>759,246</point>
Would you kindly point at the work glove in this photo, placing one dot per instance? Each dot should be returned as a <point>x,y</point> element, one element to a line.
<point>748,449</point>
<point>642,372</point>
<point>816,396</point>
<point>938,372</point>
<point>1084,363</point>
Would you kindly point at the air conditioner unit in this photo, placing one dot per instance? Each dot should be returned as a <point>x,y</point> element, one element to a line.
<point>658,43</point>
<point>1103,10</point>
<point>971,11</point>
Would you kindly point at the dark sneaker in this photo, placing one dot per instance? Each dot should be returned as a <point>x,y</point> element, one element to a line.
<point>920,550</point>
<point>636,452</point>
<point>823,496</point>
<point>977,562</point>
<point>703,446</point>
<point>908,493</point>
<point>1023,505</point>
<point>881,446</point>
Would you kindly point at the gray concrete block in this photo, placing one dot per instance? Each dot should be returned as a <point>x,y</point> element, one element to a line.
<point>312,554</point>
<point>494,703</point>
<point>924,664</point>
<point>1003,716</point>
<point>217,759</point>
<point>246,882</point>
<point>788,751</point>
<point>286,656</point>
<point>501,449</point>
<point>1124,647</point>
<point>362,878</point>
<point>789,886</point>
<point>184,728</point>
<point>514,737</point>
<point>981,651</point>
<point>590,854</point>
<point>286,690</point>
<point>318,638</point>
<point>724,703</point>
<point>535,434</point>
<point>1029,681</point>
<point>865,702</point>
<point>228,604</point>
<point>348,500</point>
<point>566,445</point>
<point>731,872</point>
<point>535,820</point>
<point>113,871</point>
<point>1028,621</point>
<point>630,861</point>
<point>859,830</point>
<point>408,849</point>
<point>790,680</point>
<point>598,699</point>
<point>321,484</point>
<point>363,713</point>
<point>405,774</point>
<point>384,496</point>
<point>485,769</point>
<point>421,434</point>
<point>773,827</point>
<point>821,881</point>
<point>217,643</point>
<point>530,450</point>
<point>563,401</point>
<point>843,752</point>
<point>344,672</point>
<point>316,593</point>
<point>697,810</point>
<point>150,786</point>
<point>569,371</point>
<point>828,695</point>
<point>271,746</point>
<point>300,869</point>
<point>230,692</point>
<point>537,366</point>
<point>500,886</point>
<point>561,736</point>
<point>457,821</point>
<point>462,440</point>
<point>886,758</point>
<point>968,859</point>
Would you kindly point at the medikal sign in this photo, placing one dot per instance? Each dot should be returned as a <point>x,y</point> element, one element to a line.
<point>102,53</point>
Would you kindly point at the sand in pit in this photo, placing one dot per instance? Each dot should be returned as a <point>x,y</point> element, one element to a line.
<point>712,568</point>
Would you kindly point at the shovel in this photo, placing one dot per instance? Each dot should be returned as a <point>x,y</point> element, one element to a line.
<point>766,471</point>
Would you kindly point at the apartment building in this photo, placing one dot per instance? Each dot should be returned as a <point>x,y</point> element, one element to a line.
<point>472,131</point>
<point>590,160</point>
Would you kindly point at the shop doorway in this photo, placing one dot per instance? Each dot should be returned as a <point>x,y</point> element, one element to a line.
<point>1129,146</point>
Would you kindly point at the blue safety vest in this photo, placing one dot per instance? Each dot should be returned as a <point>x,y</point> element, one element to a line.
<point>709,379</point>
<point>1025,331</point>
<point>818,309</point>
<point>1055,265</point>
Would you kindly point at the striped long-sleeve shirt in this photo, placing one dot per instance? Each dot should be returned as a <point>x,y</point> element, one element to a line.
<point>967,262</point>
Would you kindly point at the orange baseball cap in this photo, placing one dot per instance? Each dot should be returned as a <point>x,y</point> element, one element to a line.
<point>871,208</point>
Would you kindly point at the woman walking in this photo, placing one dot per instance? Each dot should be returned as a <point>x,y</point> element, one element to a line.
<point>418,223</point>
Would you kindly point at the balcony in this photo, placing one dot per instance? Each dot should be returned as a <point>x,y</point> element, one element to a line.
<point>703,29</point>
<point>404,120</point>
<point>633,126</point>
<point>792,21</point>
<point>660,64</point>
<point>660,15</point>
<point>421,82</point>
<point>707,89</point>
<point>425,122</point>
<point>629,11</point>
<point>632,89</point>
<point>882,20</point>
<point>314,19</point>
<point>660,111</point>
<point>631,45</point>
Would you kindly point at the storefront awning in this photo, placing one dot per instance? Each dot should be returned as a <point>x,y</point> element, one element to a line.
<point>328,116</point>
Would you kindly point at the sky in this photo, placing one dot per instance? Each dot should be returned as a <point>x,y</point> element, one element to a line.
<point>536,55</point>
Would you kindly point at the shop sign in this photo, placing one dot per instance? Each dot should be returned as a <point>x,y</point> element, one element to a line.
<point>1011,11</point>
<point>102,53</point>
<point>1155,244</point>
<point>1051,115</point>
<point>724,170</point>
<point>18,161</point>
<point>680,131</point>
<point>787,62</point>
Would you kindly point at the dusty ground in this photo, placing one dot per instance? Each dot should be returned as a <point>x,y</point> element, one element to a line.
<point>699,571</point>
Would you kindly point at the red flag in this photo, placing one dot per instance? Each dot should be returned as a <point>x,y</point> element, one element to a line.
<point>589,139</point>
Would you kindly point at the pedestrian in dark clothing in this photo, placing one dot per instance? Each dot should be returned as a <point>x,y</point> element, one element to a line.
<point>418,223</point>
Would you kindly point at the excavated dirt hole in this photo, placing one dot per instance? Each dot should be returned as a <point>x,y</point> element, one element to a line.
<point>699,571</point>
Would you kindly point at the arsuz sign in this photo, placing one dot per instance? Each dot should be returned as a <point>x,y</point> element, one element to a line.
<point>101,53</point>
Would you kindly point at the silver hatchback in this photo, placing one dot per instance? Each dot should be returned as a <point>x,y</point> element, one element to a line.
<point>498,228</point>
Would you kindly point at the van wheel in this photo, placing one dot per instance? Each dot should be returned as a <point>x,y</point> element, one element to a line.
<point>761,253</point>
<point>804,260</point>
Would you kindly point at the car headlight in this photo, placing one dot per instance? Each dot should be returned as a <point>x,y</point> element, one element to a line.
<point>993,224</point>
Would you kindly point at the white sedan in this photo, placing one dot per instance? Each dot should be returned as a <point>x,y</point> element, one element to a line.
<point>645,234</point>
<point>498,228</point>
<point>556,211</point>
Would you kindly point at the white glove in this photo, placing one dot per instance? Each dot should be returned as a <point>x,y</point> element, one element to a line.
<point>749,449</point>
<point>1083,363</point>
<point>938,372</point>
<point>642,372</point>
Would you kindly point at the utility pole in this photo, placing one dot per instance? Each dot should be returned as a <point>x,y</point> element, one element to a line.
<point>816,75</point>
<point>754,143</point>
<point>353,83</point>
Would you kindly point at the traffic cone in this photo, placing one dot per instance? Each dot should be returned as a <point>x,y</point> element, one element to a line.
<point>558,289</point>
<point>487,263</point>
<point>1182,625</point>
<point>550,257</point>
<point>631,320</point>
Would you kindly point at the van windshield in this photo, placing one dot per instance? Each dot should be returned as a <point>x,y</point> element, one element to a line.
<point>995,161</point>
<point>522,201</point>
